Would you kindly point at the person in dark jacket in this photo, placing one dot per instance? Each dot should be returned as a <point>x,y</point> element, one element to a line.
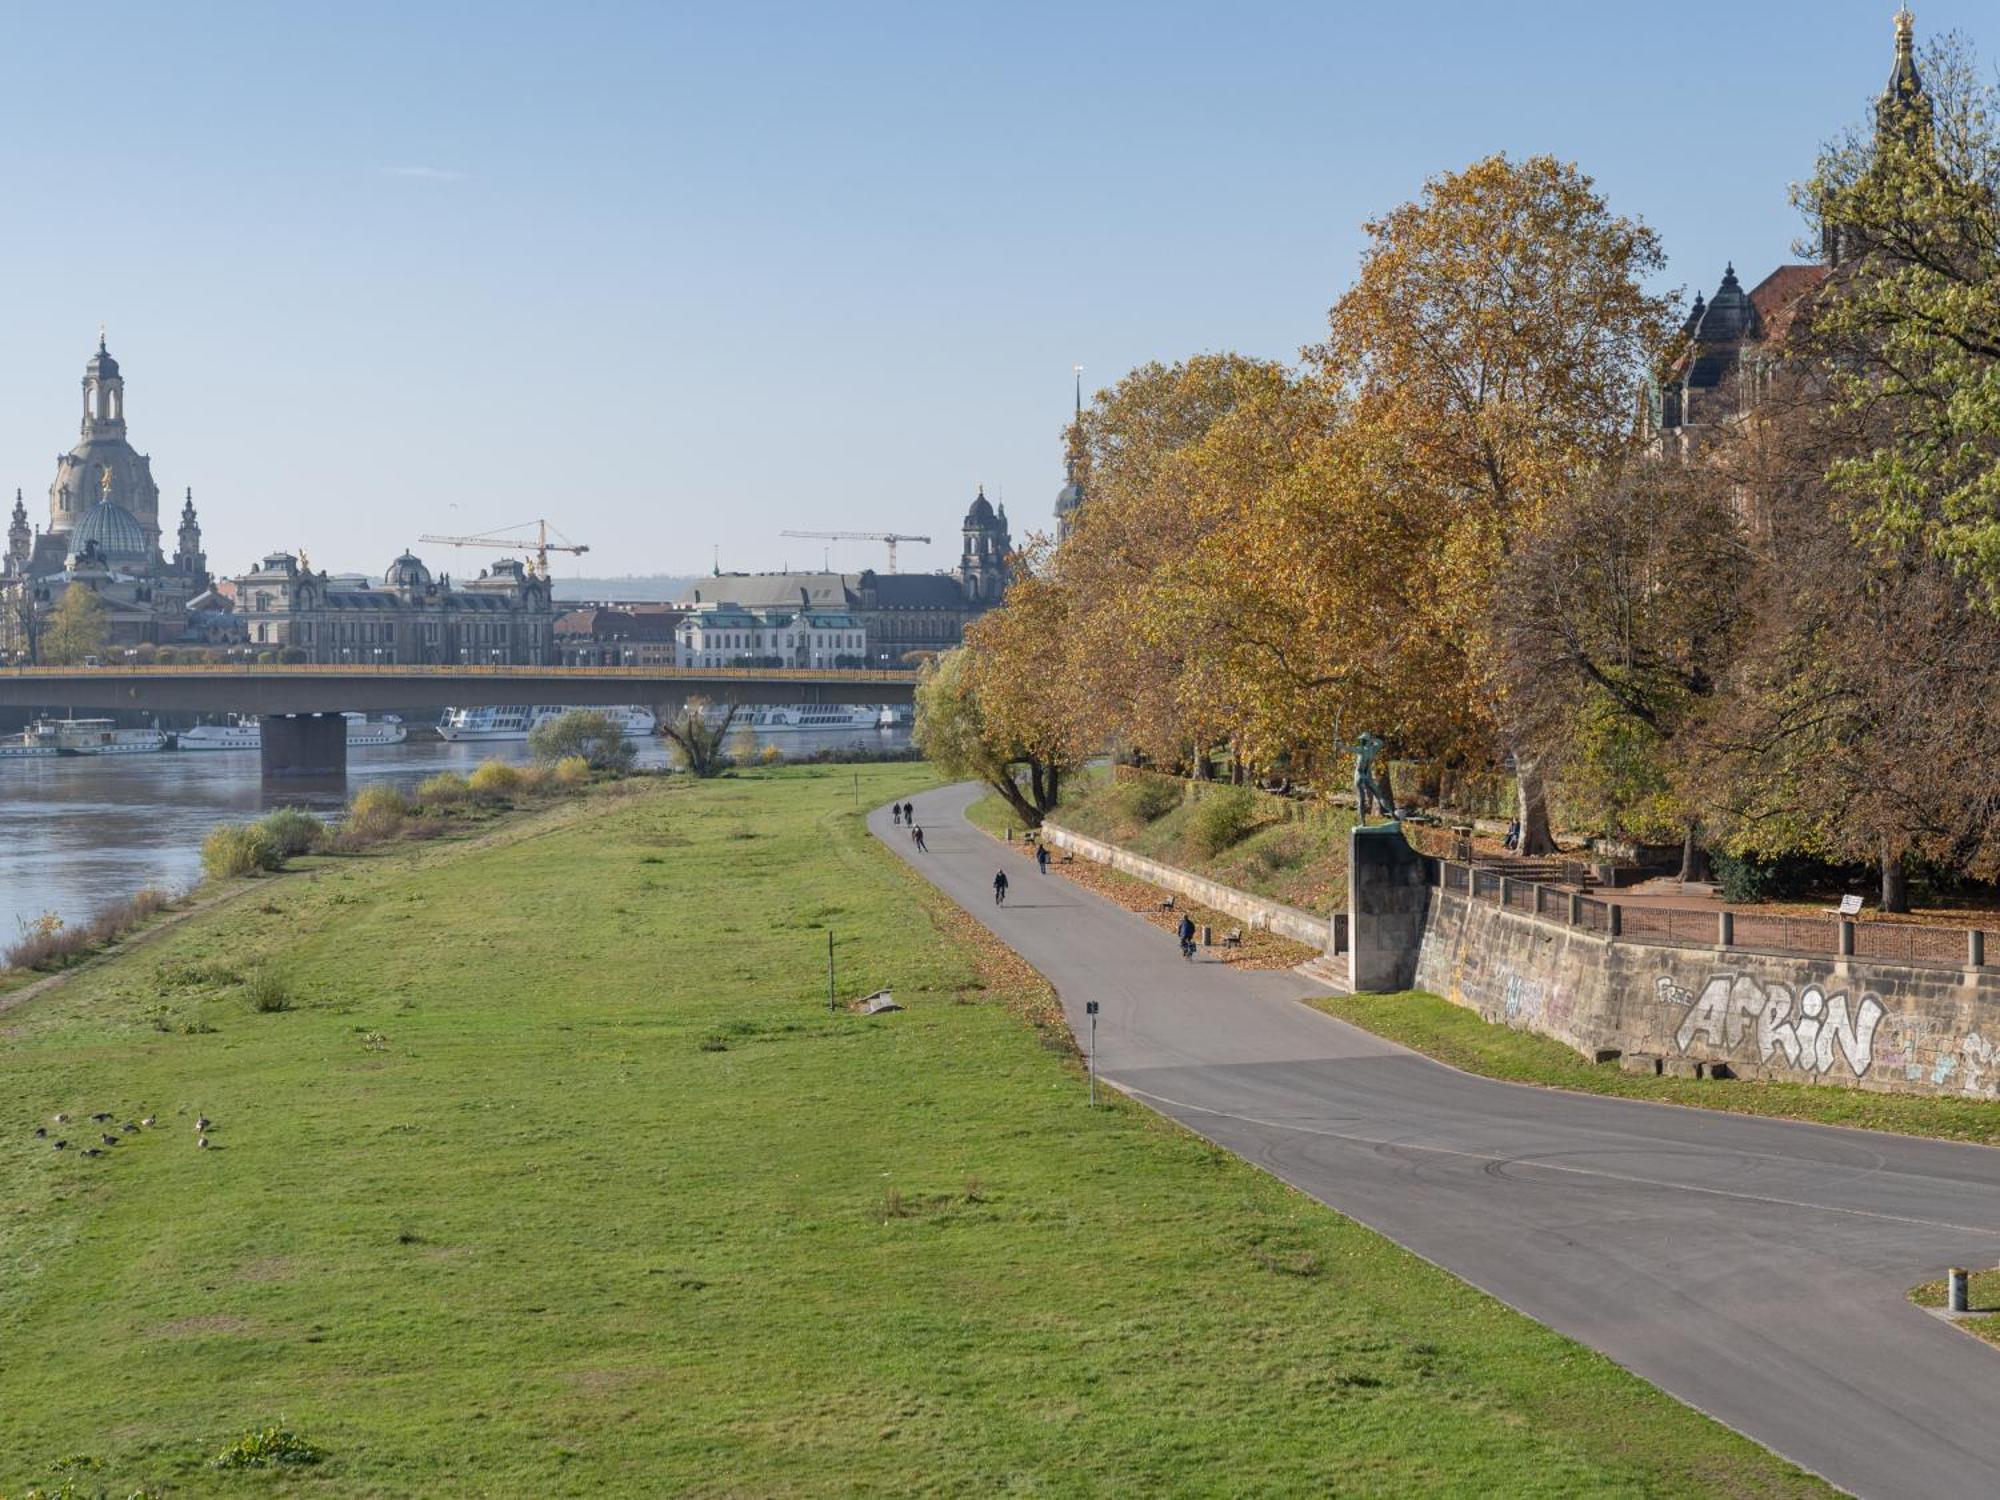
<point>1000,888</point>
<point>1186,933</point>
<point>1042,858</point>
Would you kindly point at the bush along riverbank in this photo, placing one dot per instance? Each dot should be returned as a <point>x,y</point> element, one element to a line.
<point>280,840</point>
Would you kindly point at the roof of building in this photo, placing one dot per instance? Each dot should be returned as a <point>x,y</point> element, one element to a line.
<point>406,572</point>
<point>619,624</point>
<point>980,513</point>
<point>1779,296</point>
<point>773,590</point>
<point>101,363</point>
<point>914,590</point>
<point>117,532</point>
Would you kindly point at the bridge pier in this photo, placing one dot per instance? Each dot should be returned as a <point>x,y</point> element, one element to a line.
<point>304,746</point>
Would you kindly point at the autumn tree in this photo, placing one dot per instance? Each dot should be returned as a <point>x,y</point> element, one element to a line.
<point>1627,607</point>
<point>1493,337</point>
<point>698,733</point>
<point>76,628</point>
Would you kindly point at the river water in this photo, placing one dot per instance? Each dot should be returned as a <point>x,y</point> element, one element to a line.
<point>80,832</point>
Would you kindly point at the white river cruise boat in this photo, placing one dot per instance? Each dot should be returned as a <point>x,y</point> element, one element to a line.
<point>513,721</point>
<point>244,733</point>
<point>96,737</point>
<point>38,739</point>
<point>804,718</point>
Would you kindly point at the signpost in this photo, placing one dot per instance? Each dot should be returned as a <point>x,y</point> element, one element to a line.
<point>1090,1009</point>
<point>829,971</point>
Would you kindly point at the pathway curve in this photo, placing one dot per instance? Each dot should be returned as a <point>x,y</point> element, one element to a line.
<point>1754,1268</point>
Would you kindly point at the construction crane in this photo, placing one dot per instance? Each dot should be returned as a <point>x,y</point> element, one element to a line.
<point>891,537</point>
<point>539,543</point>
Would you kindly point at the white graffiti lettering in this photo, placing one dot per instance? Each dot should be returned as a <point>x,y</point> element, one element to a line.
<point>1822,1031</point>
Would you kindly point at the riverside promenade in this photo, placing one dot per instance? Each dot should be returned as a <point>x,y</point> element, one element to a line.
<point>1754,1268</point>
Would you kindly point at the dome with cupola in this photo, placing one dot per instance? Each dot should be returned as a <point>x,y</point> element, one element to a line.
<point>407,572</point>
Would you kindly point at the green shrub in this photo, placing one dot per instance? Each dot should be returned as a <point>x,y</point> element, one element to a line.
<point>443,789</point>
<point>375,813</point>
<point>233,849</point>
<point>591,733</point>
<point>293,831</point>
<point>268,1449</point>
<point>570,771</point>
<point>494,780</point>
<point>1221,818</point>
<point>1737,878</point>
<point>1148,797</point>
<point>268,992</point>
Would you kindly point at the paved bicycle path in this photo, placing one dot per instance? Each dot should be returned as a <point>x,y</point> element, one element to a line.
<point>1755,1269</point>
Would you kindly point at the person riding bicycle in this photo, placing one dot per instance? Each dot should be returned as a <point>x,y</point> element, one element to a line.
<point>1000,889</point>
<point>1186,933</point>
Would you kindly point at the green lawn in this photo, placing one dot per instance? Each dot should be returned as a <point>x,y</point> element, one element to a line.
<point>560,1179</point>
<point>1453,1034</point>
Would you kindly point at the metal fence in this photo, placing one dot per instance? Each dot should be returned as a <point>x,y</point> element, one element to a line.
<point>1813,936</point>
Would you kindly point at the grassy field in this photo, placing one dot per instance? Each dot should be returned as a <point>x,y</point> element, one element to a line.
<point>558,1178</point>
<point>1453,1034</point>
<point>1302,863</point>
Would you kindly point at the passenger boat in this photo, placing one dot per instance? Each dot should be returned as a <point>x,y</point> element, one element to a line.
<point>514,721</point>
<point>242,732</point>
<point>38,739</point>
<point>803,718</point>
<point>98,737</point>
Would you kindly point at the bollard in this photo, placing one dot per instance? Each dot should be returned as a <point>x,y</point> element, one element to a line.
<point>1207,935</point>
<point>1956,1298</point>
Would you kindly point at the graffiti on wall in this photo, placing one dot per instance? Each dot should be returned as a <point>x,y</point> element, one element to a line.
<point>1812,1030</point>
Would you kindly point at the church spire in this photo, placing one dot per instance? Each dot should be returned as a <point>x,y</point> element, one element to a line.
<point>1904,109</point>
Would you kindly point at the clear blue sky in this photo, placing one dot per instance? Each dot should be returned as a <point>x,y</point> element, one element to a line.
<point>678,276</point>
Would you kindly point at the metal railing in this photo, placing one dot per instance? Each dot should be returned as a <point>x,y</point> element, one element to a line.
<point>1758,932</point>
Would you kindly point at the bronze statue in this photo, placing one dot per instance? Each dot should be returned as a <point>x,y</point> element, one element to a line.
<point>1369,792</point>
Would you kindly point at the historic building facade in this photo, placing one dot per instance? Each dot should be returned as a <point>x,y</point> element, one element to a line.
<point>726,634</point>
<point>901,615</point>
<point>1733,341</point>
<point>502,618</point>
<point>103,534</point>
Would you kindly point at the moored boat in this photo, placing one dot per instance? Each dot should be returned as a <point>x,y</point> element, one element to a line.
<point>245,733</point>
<point>515,721</point>
<point>99,737</point>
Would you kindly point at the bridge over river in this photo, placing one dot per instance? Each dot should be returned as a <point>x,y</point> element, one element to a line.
<point>300,706</point>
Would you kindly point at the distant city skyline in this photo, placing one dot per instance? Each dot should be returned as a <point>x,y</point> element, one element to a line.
<point>682,278</point>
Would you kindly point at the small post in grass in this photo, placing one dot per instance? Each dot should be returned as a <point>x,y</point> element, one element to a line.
<point>1090,1009</point>
<point>829,970</point>
<point>1956,1298</point>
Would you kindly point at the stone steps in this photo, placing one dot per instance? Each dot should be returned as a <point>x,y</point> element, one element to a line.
<point>1331,970</point>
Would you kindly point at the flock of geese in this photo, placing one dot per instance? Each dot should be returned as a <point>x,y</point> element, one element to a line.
<point>202,1126</point>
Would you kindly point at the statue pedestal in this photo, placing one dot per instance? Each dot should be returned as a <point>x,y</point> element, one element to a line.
<point>1388,898</point>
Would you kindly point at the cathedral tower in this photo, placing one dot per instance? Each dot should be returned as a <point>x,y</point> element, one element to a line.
<point>982,566</point>
<point>189,560</point>
<point>102,450</point>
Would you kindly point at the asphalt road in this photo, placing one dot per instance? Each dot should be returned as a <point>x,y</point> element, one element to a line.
<point>1756,1269</point>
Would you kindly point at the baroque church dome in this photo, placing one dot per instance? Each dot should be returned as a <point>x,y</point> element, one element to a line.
<point>120,539</point>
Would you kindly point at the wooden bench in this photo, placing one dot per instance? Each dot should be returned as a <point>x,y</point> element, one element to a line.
<point>1850,906</point>
<point>1233,938</point>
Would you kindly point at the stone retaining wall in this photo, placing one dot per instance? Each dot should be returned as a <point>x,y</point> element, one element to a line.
<point>1900,1028</point>
<point>1256,913</point>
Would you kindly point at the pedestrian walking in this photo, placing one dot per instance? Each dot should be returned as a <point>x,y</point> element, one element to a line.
<point>917,838</point>
<point>1042,858</point>
<point>1513,839</point>
<point>1000,888</point>
<point>909,814</point>
<point>1186,934</point>
<point>896,812</point>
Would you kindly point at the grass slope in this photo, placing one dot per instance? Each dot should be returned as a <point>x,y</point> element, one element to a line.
<point>1302,863</point>
<point>1452,1034</point>
<point>561,1180</point>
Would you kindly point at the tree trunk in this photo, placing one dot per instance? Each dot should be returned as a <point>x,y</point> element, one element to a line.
<point>1694,858</point>
<point>1052,784</point>
<point>1035,783</point>
<point>1204,768</point>
<point>1895,883</point>
<point>1008,787</point>
<point>1532,794</point>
